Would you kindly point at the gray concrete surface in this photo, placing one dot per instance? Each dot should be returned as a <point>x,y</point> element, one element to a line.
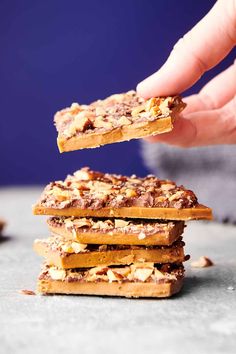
<point>202,319</point>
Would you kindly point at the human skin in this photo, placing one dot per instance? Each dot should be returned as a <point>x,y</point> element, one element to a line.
<point>210,116</point>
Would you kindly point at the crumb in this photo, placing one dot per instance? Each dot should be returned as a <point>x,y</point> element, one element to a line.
<point>2,225</point>
<point>202,262</point>
<point>26,292</point>
<point>230,288</point>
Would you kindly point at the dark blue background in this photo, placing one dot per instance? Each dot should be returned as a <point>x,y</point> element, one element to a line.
<point>53,53</point>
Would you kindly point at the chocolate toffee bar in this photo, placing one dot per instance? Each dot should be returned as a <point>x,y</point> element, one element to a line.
<point>116,231</point>
<point>117,118</point>
<point>136,280</point>
<point>72,254</point>
<point>94,194</point>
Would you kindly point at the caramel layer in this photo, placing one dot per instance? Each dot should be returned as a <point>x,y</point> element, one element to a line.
<point>129,290</point>
<point>200,212</point>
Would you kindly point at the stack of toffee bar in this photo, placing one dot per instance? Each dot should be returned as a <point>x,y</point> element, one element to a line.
<point>114,235</point>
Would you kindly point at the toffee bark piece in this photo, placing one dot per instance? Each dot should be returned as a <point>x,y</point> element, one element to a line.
<point>95,194</point>
<point>136,280</point>
<point>71,254</point>
<point>117,118</point>
<point>116,231</point>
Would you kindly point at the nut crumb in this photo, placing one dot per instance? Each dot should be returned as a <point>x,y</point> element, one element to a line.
<point>26,292</point>
<point>202,262</point>
<point>230,288</point>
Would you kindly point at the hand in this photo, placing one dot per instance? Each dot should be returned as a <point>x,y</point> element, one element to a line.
<point>210,116</point>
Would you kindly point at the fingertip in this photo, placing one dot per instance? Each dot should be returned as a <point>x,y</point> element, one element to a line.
<point>142,89</point>
<point>151,139</point>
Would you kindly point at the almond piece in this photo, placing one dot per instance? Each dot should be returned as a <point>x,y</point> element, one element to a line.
<point>124,121</point>
<point>158,274</point>
<point>152,105</point>
<point>68,223</point>
<point>121,223</point>
<point>67,247</point>
<point>82,175</point>
<point>164,106</point>
<point>57,274</point>
<point>130,193</point>
<point>81,223</point>
<point>123,272</point>
<point>202,262</point>
<point>137,110</point>
<point>112,276</point>
<point>143,273</point>
<point>75,108</point>
<point>100,111</point>
<point>60,194</point>
<point>82,122</point>
<point>167,186</point>
<point>100,122</point>
<point>175,196</point>
<point>78,247</point>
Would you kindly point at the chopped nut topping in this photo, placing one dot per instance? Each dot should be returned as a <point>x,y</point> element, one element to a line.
<point>115,111</point>
<point>202,262</point>
<point>139,272</point>
<point>87,189</point>
<point>142,228</point>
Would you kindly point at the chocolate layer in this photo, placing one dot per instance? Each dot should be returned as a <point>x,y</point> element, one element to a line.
<point>116,231</point>
<point>113,112</point>
<point>138,272</point>
<point>87,189</point>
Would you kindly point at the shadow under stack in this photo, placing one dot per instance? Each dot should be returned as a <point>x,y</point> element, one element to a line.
<point>115,235</point>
